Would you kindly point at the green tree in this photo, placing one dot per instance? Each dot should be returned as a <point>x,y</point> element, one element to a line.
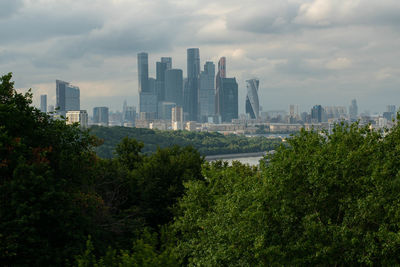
<point>44,211</point>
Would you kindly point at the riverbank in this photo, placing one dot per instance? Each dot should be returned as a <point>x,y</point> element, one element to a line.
<point>234,156</point>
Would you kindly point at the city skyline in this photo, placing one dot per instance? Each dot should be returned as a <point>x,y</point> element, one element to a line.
<point>303,52</point>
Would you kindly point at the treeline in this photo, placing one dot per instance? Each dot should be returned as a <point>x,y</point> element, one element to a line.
<point>207,143</point>
<point>321,200</point>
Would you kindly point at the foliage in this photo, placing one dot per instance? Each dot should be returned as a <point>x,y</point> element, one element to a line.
<point>43,168</point>
<point>321,200</point>
<point>207,143</point>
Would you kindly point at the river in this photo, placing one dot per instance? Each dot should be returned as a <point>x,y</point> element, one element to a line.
<point>245,158</point>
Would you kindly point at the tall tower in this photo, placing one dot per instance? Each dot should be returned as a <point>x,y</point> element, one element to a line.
<point>207,92</point>
<point>227,96</point>
<point>220,75</point>
<point>252,103</point>
<point>43,103</point>
<point>353,110</point>
<point>174,86</point>
<point>167,61</point>
<point>193,72</point>
<point>67,97</point>
<point>143,72</point>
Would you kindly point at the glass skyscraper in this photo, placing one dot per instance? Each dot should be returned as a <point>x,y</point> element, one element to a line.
<point>207,92</point>
<point>67,97</point>
<point>252,102</point>
<point>192,90</point>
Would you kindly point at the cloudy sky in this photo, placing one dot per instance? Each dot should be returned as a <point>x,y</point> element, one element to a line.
<point>304,52</point>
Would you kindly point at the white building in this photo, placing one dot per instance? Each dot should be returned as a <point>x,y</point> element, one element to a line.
<point>79,116</point>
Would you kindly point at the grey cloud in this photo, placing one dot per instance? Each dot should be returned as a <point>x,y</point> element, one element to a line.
<point>9,7</point>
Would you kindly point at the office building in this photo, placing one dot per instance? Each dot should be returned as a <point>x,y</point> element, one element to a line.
<point>207,92</point>
<point>220,74</point>
<point>67,97</point>
<point>100,116</point>
<point>252,102</point>
<point>143,72</point>
<point>353,110</point>
<point>43,103</point>
<point>174,86</point>
<point>50,108</point>
<point>317,114</point>
<point>77,116</point>
<point>161,67</point>
<point>167,61</point>
<point>227,105</point>
<point>192,90</point>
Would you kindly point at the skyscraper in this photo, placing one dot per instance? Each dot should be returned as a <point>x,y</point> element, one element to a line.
<point>43,103</point>
<point>220,74</point>
<point>143,72</point>
<point>168,61</point>
<point>317,114</point>
<point>100,116</point>
<point>252,103</point>
<point>227,105</point>
<point>193,72</point>
<point>353,110</point>
<point>147,88</point>
<point>161,67</point>
<point>207,92</point>
<point>174,86</point>
<point>68,97</point>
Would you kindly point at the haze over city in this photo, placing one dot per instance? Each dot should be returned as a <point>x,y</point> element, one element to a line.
<point>303,52</point>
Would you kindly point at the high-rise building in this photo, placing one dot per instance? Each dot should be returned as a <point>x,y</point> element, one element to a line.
<point>100,116</point>
<point>252,102</point>
<point>174,86</point>
<point>220,74</point>
<point>43,103</point>
<point>227,105</point>
<point>317,114</point>
<point>68,97</point>
<point>143,72</point>
<point>165,110</point>
<point>353,110</point>
<point>168,61</point>
<point>161,67</point>
<point>207,92</point>
<point>193,72</point>
<point>77,116</point>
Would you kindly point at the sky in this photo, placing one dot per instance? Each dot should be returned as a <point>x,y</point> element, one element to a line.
<point>303,52</point>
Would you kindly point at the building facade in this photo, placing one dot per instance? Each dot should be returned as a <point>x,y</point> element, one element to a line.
<point>207,92</point>
<point>43,103</point>
<point>193,73</point>
<point>67,97</point>
<point>174,86</point>
<point>252,102</point>
<point>100,116</point>
<point>77,116</point>
<point>227,105</point>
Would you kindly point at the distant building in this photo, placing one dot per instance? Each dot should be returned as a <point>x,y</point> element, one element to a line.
<point>50,108</point>
<point>68,97</point>
<point>353,110</point>
<point>165,110</point>
<point>177,118</point>
<point>143,72</point>
<point>193,73</point>
<point>252,103</point>
<point>207,92</point>
<point>100,116</point>
<point>43,103</point>
<point>227,95</point>
<point>77,116</point>
<point>174,86</point>
<point>167,61</point>
<point>317,114</point>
